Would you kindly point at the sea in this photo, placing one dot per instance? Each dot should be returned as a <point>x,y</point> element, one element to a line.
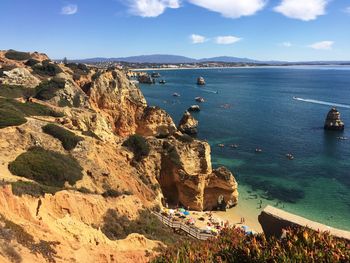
<point>280,110</point>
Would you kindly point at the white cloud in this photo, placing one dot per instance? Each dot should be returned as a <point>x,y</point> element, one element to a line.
<point>151,8</point>
<point>305,10</point>
<point>347,10</point>
<point>69,10</point>
<point>323,45</point>
<point>226,40</point>
<point>232,8</point>
<point>197,39</point>
<point>286,44</point>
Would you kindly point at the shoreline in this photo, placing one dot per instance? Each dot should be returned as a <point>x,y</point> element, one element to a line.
<point>240,67</point>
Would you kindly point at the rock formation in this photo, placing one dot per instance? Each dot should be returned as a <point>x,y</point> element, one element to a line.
<point>188,124</point>
<point>333,121</point>
<point>103,108</point>
<point>194,108</point>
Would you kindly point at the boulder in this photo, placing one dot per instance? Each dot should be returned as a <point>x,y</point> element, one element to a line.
<point>333,121</point>
<point>188,124</point>
<point>155,122</point>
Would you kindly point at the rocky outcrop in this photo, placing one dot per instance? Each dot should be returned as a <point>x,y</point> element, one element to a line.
<point>221,184</point>
<point>186,176</point>
<point>21,77</point>
<point>118,100</point>
<point>194,108</point>
<point>155,122</point>
<point>188,124</point>
<point>145,79</point>
<point>333,121</point>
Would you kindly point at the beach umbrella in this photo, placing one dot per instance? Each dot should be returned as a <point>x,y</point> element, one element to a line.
<point>186,213</point>
<point>171,211</point>
<point>245,228</point>
<point>182,210</point>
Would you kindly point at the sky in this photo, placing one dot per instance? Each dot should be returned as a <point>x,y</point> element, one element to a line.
<point>287,30</point>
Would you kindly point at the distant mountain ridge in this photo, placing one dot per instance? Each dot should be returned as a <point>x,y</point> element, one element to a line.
<point>176,59</point>
<point>168,59</point>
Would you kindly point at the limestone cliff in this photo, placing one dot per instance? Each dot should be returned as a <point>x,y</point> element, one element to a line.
<point>97,110</point>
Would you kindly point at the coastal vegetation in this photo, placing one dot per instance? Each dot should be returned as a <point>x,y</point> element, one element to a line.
<point>234,245</point>
<point>46,68</point>
<point>47,167</point>
<point>138,145</point>
<point>17,55</point>
<point>15,91</point>
<point>47,89</point>
<point>13,112</point>
<point>68,139</point>
<point>117,226</point>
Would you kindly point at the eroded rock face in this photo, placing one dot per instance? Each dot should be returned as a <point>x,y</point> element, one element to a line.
<point>333,121</point>
<point>155,122</point>
<point>188,124</point>
<point>120,101</point>
<point>21,77</point>
<point>186,176</point>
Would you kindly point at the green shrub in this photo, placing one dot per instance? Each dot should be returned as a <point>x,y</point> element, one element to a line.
<point>115,193</point>
<point>9,117</point>
<point>69,139</point>
<point>17,55</point>
<point>13,112</point>
<point>185,138</point>
<point>78,69</point>
<point>119,227</point>
<point>31,62</point>
<point>47,89</point>
<point>20,188</point>
<point>233,245</point>
<point>15,91</point>
<point>47,167</point>
<point>138,145</point>
<point>46,68</point>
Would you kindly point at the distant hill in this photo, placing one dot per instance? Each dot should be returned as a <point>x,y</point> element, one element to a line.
<point>169,59</point>
<point>175,59</point>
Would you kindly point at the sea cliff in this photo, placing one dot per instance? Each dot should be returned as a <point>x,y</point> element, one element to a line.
<point>70,158</point>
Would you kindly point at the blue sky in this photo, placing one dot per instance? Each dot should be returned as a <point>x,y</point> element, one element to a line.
<point>290,30</point>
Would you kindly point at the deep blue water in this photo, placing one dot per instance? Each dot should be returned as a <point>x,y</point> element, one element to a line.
<point>263,113</point>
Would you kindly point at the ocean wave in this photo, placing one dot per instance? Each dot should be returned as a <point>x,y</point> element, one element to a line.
<point>339,105</point>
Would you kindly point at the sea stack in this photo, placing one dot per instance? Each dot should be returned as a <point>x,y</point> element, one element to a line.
<point>188,124</point>
<point>333,121</point>
<point>200,81</point>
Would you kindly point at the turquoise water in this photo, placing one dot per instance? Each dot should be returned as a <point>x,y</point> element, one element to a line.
<point>261,112</point>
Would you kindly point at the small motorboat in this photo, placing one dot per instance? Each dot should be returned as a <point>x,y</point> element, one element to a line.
<point>221,145</point>
<point>342,138</point>
<point>176,94</point>
<point>258,150</point>
<point>234,146</point>
<point>290,156</point>
<point>162,81</point>
<point>199,99</point>
<point>200,81</point>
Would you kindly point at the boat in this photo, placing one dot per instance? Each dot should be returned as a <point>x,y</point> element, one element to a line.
<point>162,81</point>
<point>200,81</point>
<point>176,94</point>
<point>258,150</point>
<point>199,99</point>
<point>290,156</point>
